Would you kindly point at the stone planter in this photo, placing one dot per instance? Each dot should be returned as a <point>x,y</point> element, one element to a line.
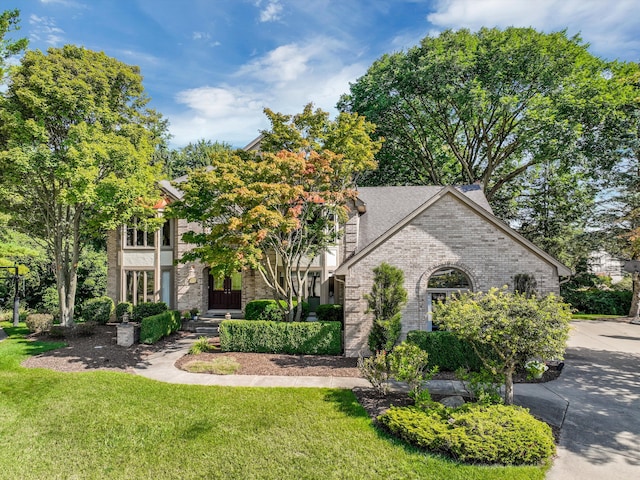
<point>128,334</point>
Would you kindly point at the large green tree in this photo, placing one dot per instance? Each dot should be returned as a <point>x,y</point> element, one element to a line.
<point>9,22</point>
<point>482,107</point>
<point>176,163</point>
<point>76,159</point>
<point>277,210</point>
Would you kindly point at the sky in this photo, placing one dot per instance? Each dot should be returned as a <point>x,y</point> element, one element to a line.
<point>211,66</point>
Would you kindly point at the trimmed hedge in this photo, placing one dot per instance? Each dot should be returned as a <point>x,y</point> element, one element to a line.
<point>445,350</point>
<point>488,434</point>
<point>148,309</point>
<point>98,310</point>
<point>306,338</point>
<point>330,313</point>
<point>268,310</point>
<point>155,327</point>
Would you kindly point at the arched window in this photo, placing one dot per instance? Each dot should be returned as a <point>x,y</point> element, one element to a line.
<point>443,283</point>
<point>449,278</point>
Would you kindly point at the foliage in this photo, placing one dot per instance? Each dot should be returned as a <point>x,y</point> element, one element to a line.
<point>486,434</point>
<point>484,106</point>
<point>298,338</point>
<point>176,163</point>
<point>83,329</point>
<point>39,322</point>
<point>147,309</point>
<point>535,368</point>
<point>408,364</point>
<point>595,300</point>
<point>122,308</point>
<point>386,300</point>
<point>268,309</point>
<point>376,370</point>
<point>98,310</point>
<point>9,22</point>
<point>330,313</point>
<point>277,210</point>
<point>75,124</point>
<point>446,351</point>
<point>154,327</point>
<point>513,326</point>
<point>202,345</point>
<point>483,385</point>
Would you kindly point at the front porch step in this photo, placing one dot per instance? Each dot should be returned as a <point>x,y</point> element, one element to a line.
<point>208,331</point>
<point>202,325</point>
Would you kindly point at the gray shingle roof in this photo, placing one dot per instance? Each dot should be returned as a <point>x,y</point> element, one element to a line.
<point>386,206</point>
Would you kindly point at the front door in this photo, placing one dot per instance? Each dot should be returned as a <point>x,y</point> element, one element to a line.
<point>225,293</point>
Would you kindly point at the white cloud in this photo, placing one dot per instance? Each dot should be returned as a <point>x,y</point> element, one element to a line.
<point>45,29</point>
<point>609,26</point>
<point>200,36</point>
<point>270,13</point>
<point>284,79</point>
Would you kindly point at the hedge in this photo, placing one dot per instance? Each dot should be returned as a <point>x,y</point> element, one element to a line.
<point>267,309</point>
<point>446,350</point>
<point>98,310</point>
<point>330,313</point>
<point>596,301</point>
<point>306,338</point>
<point>155,327</point>
<point>147,309</point>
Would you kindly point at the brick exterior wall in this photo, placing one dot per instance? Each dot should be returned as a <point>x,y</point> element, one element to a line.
<point>449,233</point>
<point>113,268</point>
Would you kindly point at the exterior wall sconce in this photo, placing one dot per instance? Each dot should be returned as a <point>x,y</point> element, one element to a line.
<point>192,275</point>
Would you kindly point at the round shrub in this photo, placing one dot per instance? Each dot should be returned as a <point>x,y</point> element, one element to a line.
<point>122,308</point>
<point>487,434</point>
<point>268,310</point>
<point>39,322</point>
<point>98,310</point>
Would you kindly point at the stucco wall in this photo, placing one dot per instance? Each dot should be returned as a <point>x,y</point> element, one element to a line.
<point>447,233</point>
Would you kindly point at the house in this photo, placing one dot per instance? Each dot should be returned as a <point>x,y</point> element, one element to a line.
<point>445,239</point>
<point>604,264</point>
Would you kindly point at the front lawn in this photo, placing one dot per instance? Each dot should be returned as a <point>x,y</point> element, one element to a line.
<point>592,316</point>
<point>107,425</point>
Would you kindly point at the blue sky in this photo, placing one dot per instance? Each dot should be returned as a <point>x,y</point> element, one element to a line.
<point>211,66</point>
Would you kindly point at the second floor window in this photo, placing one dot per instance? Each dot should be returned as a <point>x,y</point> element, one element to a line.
<point>138,236</point>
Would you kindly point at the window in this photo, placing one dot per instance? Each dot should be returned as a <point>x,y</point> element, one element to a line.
<point>166,234</point>
<point>449,278</point>
<point>140,286</point>
<point>138,236</point>
<point>166,287</point>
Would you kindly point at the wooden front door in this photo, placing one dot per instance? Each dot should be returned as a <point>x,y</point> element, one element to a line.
<point>225,293</point>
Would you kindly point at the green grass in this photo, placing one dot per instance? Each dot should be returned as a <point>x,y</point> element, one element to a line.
<point>107,425</point>
<point>219,366</point>
<point>592,316</point>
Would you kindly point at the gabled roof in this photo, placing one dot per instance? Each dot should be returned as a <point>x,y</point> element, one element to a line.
<point>389,209</point>
<point>386,206</point>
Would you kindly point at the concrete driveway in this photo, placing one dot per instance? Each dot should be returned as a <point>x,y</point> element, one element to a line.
<point>601,382</point>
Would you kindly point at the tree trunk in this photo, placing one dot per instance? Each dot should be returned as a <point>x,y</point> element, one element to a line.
<point>634,311</point>
<point>508,387</point>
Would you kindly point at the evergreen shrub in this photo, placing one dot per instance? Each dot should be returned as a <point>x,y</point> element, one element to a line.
<point>301,338</point>
<point>268,310</point>
<point>39,322</point>
<point>154,327</point>
<point>330,313</point>
<point>487,434</point>
<point>147,309</point>
<point>446,351</point>
<point>98,310</point>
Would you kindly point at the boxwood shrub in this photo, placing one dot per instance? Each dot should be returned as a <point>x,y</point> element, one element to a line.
<point>446,350</point>
<point>147,309</point>
<point>155,327</point>
<point>267,309</point>
<point>122,308</point>
<point>488,434</point>
<point>98,310</point>
<point>312,338</point>
<point>39,322</point>
<point>329,313</point>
